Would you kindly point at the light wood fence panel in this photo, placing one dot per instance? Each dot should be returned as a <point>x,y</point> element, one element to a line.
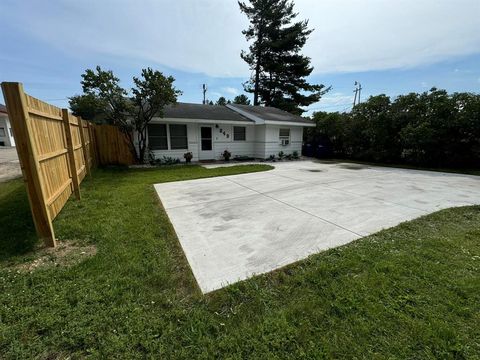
<point>56,151</point>
<point>26,146</point>
<point>72,147</point>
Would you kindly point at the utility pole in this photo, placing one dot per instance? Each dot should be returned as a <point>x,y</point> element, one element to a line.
<point>357,91</point>
<point>204,93</point>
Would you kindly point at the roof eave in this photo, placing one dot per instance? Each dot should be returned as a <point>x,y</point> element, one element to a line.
<point>204,121</point>
<point>289,123</point>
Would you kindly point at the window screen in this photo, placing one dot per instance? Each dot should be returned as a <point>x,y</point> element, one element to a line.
<point>178,137</point>
<point>2,131</point>
<point>157,137</point>
<point>239,133</point>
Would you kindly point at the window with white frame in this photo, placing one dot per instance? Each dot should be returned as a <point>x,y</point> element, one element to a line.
<point>239,133</point>
<point>157,137</point>
<point>284,136</point>
<point>178,137</point>
<point>2,131</point>
<point>167,137</point>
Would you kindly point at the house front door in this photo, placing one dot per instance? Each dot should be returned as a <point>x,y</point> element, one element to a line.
<point>206,143</point>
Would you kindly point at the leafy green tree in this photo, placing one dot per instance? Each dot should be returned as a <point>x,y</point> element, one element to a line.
<point>241,100</point>
<point>89,107</point>
<point>221,101</point>
<point>433,128</point>
<point>103,98</point>
<point>328,132</point>
<point>279,70</point>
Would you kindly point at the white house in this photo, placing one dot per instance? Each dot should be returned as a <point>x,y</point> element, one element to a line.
<point>6,134</point>
<point>208,130</point>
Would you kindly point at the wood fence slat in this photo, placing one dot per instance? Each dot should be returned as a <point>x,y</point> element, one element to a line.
<point>44,114</point>
<point>82,168</point>
<point>27,153</point>
<point>58,192</point>
<point>52,155</point>
<point>85,153</point>
<point>71,154</point>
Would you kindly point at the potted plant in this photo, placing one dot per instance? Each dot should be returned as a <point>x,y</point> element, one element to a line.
<point>188,157</point>
<point>227,155</point>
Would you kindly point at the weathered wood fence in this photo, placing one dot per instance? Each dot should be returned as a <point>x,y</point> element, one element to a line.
<point>112,146</point>
<point>56,151</point>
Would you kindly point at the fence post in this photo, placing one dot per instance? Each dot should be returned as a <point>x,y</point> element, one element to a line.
<point>84,146</point>
<point>93,143</point>
<point>71,153</point>
<point>28,157</point>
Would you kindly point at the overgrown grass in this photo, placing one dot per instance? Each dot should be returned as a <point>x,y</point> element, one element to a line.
<point>412,291</point>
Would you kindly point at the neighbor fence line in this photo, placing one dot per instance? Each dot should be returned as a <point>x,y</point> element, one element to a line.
<point>56,151</point>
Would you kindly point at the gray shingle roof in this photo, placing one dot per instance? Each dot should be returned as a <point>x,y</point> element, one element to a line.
<point>272,114</point>
<point>200,111</point>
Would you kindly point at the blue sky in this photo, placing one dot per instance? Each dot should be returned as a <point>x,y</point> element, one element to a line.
<point>390,47</point>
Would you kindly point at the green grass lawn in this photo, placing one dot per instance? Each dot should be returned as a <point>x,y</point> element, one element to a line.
<point>412,291</point>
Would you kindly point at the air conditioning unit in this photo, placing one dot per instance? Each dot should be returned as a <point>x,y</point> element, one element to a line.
<point>285,142</point>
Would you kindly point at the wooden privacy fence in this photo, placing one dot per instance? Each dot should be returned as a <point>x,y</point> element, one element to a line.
<point>112,146</point>
<point>56,151</point>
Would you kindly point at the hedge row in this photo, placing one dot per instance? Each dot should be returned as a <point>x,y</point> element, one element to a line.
<point>433,128</point>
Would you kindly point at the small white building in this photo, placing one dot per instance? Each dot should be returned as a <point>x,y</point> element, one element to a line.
<point>6,134</point>
<point>208,130</point>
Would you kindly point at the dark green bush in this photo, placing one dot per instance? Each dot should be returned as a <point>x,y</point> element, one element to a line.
<point>433,128</point>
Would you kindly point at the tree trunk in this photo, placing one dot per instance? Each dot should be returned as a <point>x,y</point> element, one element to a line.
<point>133,149</point>
<point>257,80</point>
<point>142,146</point>
<point>257,68</point>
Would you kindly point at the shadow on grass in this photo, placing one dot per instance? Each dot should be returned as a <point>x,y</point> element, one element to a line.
<point>17,231</point>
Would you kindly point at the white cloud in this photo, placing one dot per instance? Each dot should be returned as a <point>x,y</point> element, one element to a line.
<point>214,95</point>
<point>205,35</point>
<point>337,101</point>
<point>231,91</point>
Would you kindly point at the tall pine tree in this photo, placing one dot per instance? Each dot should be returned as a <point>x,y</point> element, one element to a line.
<point>279,70</point>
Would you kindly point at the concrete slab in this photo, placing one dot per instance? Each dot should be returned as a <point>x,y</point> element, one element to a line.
<point>237,226</point>
<point>9,164</point>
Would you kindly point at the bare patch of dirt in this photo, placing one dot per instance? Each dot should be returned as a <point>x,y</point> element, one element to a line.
<point>67,253</point>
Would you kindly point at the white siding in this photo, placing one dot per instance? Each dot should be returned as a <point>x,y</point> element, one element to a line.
<point>261,141</point>
<point>8,139</point>
<point>222,142</point>
<point>273,144</point>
